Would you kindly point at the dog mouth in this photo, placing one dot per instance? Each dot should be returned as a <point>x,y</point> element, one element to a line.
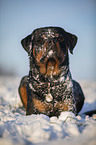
<point>49,59</point>
<point>50,67</point>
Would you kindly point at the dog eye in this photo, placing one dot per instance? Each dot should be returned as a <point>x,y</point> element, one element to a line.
<point>40,40</point>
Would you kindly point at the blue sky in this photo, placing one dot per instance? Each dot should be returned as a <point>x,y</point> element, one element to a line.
<point>18,18</point>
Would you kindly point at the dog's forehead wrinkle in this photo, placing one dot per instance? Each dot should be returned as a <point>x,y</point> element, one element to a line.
<point>48,33</point>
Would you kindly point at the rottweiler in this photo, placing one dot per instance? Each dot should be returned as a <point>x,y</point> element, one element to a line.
<point>49,88</point>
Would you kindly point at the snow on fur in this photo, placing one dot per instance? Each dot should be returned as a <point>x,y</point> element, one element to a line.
<point>17,128</point>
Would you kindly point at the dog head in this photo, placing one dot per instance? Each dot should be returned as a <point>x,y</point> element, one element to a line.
<point>49,48</point>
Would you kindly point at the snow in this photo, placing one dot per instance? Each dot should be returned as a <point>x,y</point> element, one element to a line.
<point>17,128</point>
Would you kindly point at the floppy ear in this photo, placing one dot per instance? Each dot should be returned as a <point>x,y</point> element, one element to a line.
<point>27,43</point>
<point>71,41</point>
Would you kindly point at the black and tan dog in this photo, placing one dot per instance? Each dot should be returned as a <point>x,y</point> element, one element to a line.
<point>49,88</point>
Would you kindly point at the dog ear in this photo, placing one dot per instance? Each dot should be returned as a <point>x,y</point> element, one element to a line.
<point>71,41</point>
<point>27,43</point>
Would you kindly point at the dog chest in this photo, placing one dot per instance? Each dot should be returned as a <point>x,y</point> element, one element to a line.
<point>52,90</point>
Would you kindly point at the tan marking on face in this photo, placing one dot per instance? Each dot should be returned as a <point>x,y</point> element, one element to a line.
<point>51,68</point>
<point>45,46</point>
<point>42,68</point>
<point>39,55</point>
<point>56,35</point>
<point>58,47</point>
<point>23,95</point>
<point>34,52</point>
<point>56,70</point>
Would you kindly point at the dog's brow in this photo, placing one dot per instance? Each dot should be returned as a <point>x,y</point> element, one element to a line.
<point>50,33</point>
<point>56,34</point>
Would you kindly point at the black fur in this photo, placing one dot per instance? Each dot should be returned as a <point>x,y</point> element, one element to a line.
<point>61,86</point>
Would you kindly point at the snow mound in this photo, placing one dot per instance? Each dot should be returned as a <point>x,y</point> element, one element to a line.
<point>17,128</point>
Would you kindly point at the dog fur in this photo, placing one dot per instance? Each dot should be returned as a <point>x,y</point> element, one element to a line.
<point>49,87</point>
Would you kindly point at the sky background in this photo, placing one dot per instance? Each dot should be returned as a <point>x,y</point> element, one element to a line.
<point>18,18</point>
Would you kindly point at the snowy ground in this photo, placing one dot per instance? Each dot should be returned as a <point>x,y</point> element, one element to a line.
<point>19,129</point>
